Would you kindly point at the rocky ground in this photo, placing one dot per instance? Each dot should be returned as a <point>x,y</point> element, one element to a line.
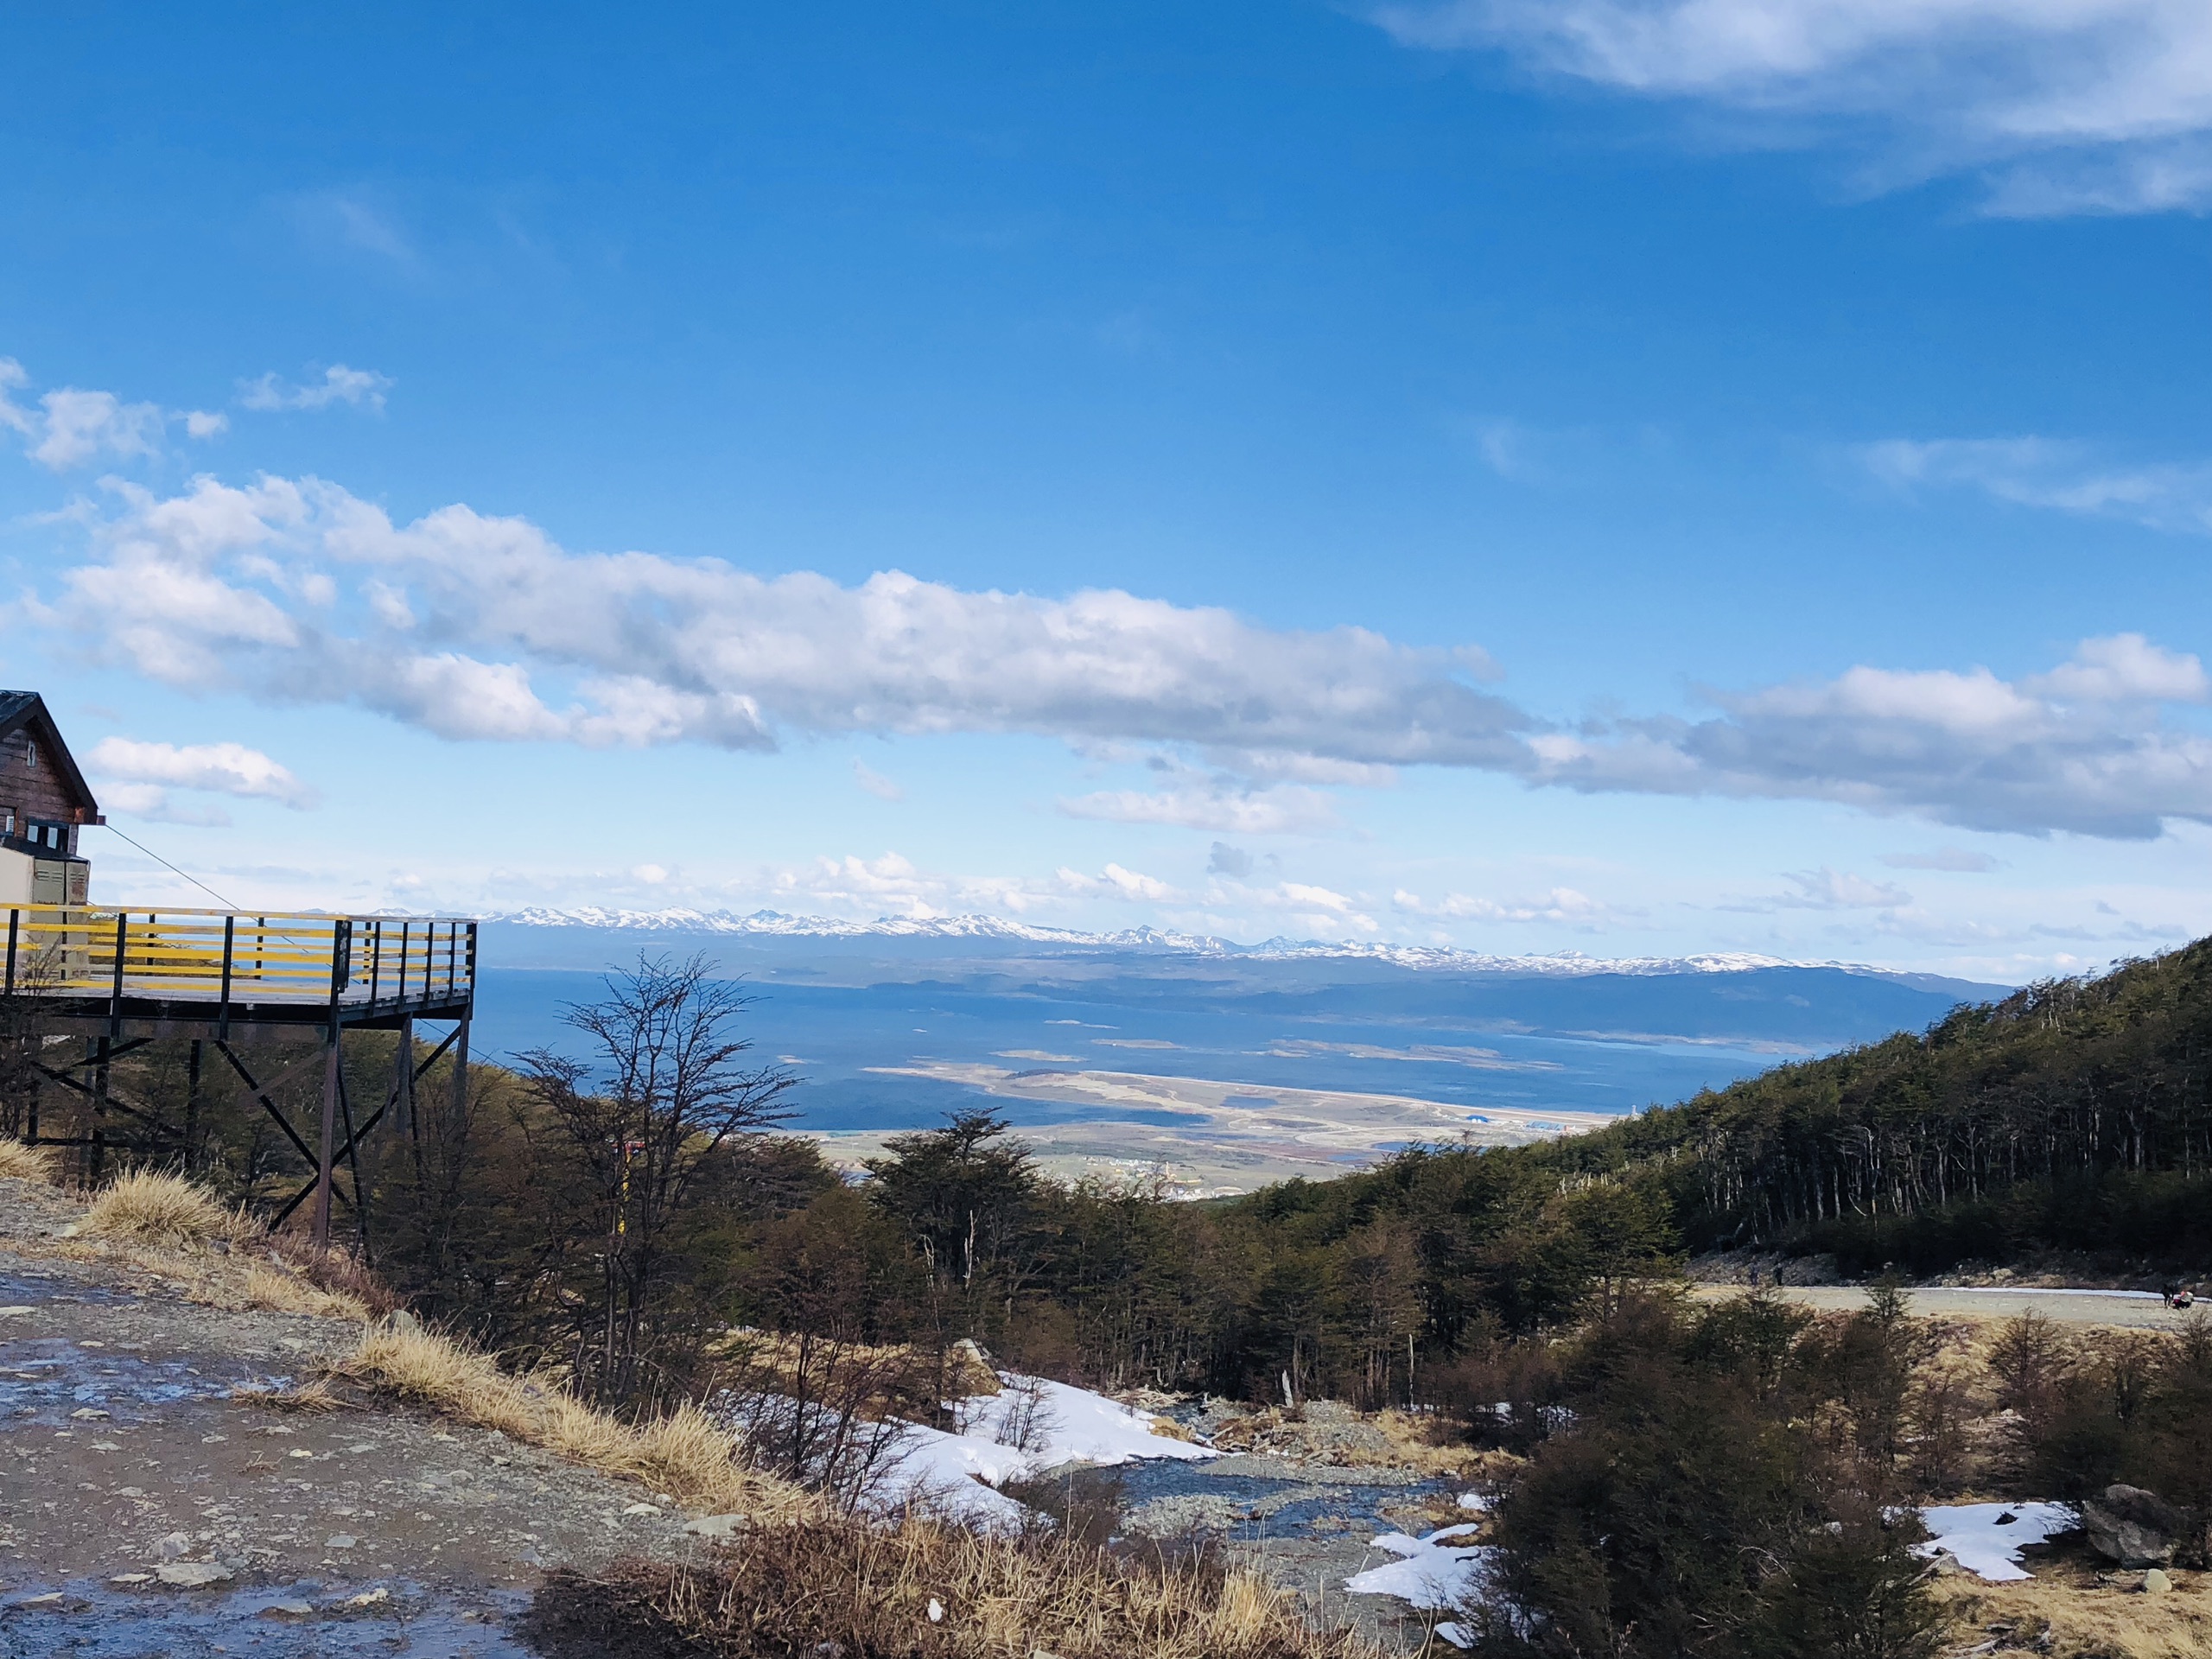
<point>154,1497</point>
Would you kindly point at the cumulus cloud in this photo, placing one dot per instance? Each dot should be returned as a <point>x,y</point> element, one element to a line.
<point>2083,748</point>
<point>136,778</point>
<point>476,627</point>
<point>71,426</point>
<point>295,589</point>
<point>2064,105</point>
<point>359,388</point>
<point>1225,860</point>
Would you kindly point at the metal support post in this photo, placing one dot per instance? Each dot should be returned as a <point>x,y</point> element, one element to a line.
<point>329,1139</point>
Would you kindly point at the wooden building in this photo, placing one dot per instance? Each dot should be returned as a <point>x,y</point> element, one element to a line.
<point>44,801</point>
<point>266,992</point>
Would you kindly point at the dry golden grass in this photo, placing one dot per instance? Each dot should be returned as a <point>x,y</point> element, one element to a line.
<point>869,1590</point>
<point>277,1290</point>
<point>21,1162</point>
<point>684,1455</point>
<point>2069,1613</point>
<point>154,1207</point>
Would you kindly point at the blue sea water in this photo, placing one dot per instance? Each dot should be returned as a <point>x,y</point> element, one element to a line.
<point>1577,1046</point>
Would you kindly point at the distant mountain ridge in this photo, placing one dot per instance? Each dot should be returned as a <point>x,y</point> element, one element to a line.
<point>1444,958</point>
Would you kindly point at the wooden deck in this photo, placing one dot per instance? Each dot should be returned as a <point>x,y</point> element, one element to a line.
<point>216,972</point>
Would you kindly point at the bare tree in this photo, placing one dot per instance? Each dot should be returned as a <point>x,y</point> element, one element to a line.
<point>664,1090</point>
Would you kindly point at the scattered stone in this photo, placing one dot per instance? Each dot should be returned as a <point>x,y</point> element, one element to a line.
<point>192,1575</point>
<point>640,1508</point>
<point>406,1323</point>
<point>2131,1525</point>
<point>375,1597</point>
<point>937,1610</point>
<point>2156,1581</point>
<point>288,1610</point>
<point>299,1451</point>
<point>87,1415</point>
<point>341,1540</point>
<point>175,1544</point>
<point>51,1598</point>
<point>131,1578</point>
<point>16,1313</point>
<point>1945,1565</point>
<point>719,1526</point>
<point>106,1445</point>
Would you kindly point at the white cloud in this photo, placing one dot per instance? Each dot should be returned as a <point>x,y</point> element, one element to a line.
<point>2064,105</point>
<point>875,782</point>
<point>1218,803</point>
<point>339,384</point>
<point>135,777</point>
<point>1561,905</point>
<point>205,423</point>
<point>1956,859</point>
<point>2053,473</point>
<point>2083,748</point>
<point>1827,889</point>
<point>268,589</point>
<point>71,426</point>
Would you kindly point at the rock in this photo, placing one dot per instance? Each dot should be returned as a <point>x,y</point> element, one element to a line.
<point>405,1323</point>
<point>719,1526</point>
<point>192,1575</point>
<point>2156,1581</point>
<point>375,1597</point>
<point>288,1610</point>
<point>16,1313</point>
<point>87,1415</point>
<point>1945,1565</point>
<point>176,1544</point>
<point>640,1508</point>
<point>341,1540</point>
<point>2131,1525</point>
<point>131,1578</point>
<point>51,1598</point>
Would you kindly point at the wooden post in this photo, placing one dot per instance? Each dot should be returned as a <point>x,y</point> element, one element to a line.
<point>461,1076</point>
<point>192,1101</point>
<point>329,1126</point>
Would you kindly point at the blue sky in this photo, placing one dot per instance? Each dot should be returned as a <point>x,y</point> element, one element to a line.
<point>1625,476</point>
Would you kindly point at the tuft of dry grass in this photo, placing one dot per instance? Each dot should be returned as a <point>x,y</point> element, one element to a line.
<point>685,1455</point>
<point>23,1162</point>
<point>154,1207</point>
<point>867,1592</point>
<point>276,1291</point>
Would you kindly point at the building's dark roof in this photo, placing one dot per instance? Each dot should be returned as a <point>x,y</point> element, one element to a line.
<point>20,710</point>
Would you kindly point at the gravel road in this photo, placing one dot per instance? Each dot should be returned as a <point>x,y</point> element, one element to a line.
<point>134,1456</point>
<point>1954,1302</point>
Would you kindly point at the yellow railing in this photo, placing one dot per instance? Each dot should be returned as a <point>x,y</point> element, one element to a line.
<point>239,956</point>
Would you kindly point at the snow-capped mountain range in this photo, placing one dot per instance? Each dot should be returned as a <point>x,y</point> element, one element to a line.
<point>776,924</point>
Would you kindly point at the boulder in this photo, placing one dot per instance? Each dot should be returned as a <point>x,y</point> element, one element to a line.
<point>718,1526</point>
<point>192,1575</point>
<point>2156,1583</point>
<point>2132,1526</point>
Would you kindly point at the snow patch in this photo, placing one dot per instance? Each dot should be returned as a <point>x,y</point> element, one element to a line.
<point>1056,1423</point>
<point>1972,1533</point>
<point>1434,1572</point>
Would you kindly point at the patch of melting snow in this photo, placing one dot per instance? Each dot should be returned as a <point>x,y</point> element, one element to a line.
<point>1435,1571</point>
<point>1986,1538</point>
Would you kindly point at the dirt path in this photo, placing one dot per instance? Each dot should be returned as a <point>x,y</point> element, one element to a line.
<point>134,1452</point>
<point>1951,1302</point>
